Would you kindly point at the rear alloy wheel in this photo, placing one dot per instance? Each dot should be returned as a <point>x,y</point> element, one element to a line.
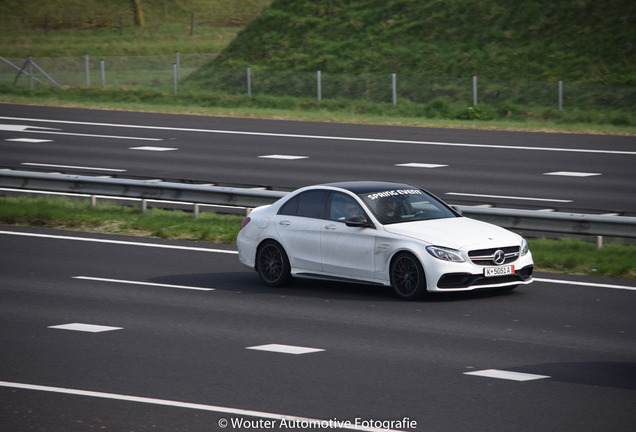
<point>407,277</point>
<point>272,264</point>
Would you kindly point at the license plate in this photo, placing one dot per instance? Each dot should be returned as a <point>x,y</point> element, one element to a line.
<point>499,271</point>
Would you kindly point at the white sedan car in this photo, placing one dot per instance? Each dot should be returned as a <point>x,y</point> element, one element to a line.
<point>380,233</point>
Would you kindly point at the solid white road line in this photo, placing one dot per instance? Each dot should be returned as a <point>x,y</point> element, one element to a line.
<point>377,140</point>
<point>587,284</point>
<point>94,136</point>
<point>129,282</point>
<point>507,197</point>
<point>119,242</point>
<point>289,419</point>
<point>71,166</point>
<point>166,246</point>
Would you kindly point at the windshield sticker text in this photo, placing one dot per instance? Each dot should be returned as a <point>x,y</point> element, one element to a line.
<point>394,193</point>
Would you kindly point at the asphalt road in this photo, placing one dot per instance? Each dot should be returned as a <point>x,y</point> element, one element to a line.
<point>545,170</point>
<point>187,336</point>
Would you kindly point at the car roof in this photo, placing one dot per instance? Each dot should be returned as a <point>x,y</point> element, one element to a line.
<point>361,187</point>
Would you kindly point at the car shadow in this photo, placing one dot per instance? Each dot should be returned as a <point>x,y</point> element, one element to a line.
<point>249,283</point>
<point>604,374</point>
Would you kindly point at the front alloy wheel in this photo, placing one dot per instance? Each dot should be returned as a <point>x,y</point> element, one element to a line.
<point>407,277</point>
<point>272,264</point>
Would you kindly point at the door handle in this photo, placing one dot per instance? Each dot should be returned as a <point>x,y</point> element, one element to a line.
<point>330,227</point>
<point>284,222</point>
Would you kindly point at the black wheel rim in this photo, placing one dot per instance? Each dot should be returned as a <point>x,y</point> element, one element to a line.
<point>405,276</point>
<point>270,263</point>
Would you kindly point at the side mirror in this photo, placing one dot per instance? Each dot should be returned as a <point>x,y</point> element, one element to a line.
<point>358,222</point>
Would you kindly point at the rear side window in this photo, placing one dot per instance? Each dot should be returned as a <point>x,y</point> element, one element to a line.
<point>290,207</point>
<point>310,204</point>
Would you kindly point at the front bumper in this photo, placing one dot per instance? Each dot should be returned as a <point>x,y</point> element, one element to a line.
<point>475,281</point>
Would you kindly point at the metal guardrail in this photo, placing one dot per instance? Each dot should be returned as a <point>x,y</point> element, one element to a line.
<point>565,223</point>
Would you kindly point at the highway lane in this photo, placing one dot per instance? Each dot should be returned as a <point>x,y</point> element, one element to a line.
<point>184,320</point>
<point>543,169</point>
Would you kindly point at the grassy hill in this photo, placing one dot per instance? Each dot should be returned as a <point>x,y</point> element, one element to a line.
<point>69,28</point>
<point>583,41</point>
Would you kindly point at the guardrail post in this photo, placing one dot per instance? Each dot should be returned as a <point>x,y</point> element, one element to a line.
<point>599,242</point>
<point>144,206</point>
<point>474,90</point>
<point>93,201</point>
<point>319,85</point>
<point>196,210</point>
<point>560,95</point>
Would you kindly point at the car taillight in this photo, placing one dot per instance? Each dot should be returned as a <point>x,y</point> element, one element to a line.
<point>245,222</point>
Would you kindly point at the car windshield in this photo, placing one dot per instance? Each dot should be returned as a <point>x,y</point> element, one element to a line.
<point>405,205</point>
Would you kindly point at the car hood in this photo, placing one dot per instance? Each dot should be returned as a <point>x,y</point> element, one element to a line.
<point>456,233</point>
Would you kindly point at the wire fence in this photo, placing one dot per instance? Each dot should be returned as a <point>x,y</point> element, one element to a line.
<point>166,73</point>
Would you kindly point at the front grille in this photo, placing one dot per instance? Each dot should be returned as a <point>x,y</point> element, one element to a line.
<point>486,257</point>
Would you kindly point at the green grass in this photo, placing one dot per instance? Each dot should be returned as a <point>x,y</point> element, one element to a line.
<point>518,50</point>
<point>563,256</point>
<point>585,41</point>
<point>288,108</point>
<point>68,28</point>
<point>71,214</point>
<point>578,257</point>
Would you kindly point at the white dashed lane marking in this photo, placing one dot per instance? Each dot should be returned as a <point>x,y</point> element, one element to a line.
<point>286,349</point>
<point>283,157</point>
<point>29,140</point>
<point>420,165</point>
<point>572,174</point>
<point>507,375</point>
<point>91,328</point>
<point>156,149</point>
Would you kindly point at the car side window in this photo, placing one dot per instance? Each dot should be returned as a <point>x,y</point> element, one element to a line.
<point>311,204</point>
<point>290,207</point>
<point>343,207</point>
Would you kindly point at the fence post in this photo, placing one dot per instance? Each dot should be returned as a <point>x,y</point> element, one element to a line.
<point>175,80</point>
<point>249,82</point>
<point>178,63</point>
<point>30,62</point>
<point>88,70</point>
<point>102,72</point>
<point>474,90</point>
<point>394,88</point>
<point>319,85</point>
<point>560,95</point>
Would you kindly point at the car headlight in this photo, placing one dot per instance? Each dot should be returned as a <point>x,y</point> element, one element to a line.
<point>445,254</point>
<point>524,247</point>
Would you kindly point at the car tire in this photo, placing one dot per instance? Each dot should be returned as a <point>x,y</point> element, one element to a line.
<point>407,277</point>
<point>272,264</point>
